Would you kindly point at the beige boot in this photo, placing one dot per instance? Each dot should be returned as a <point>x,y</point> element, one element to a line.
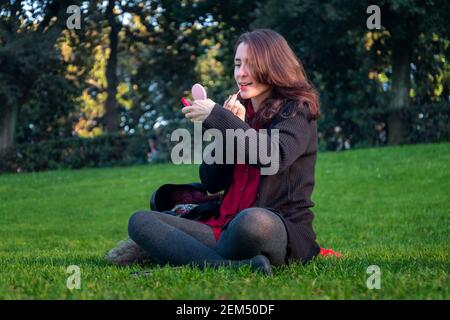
<point>127,252</point>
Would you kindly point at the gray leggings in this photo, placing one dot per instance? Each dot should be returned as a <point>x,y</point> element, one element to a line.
<point>255,236</point>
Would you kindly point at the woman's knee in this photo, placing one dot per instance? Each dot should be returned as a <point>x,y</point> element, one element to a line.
<point>137,220</point>
<point>258,225</point>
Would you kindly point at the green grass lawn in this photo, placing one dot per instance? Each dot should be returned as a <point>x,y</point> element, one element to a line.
<point>388,207</point>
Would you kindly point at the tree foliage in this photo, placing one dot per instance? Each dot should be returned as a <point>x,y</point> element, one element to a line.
<point>127,67</point>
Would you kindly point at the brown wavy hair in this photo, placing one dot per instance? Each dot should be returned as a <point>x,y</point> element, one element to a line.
<point>271,61</point>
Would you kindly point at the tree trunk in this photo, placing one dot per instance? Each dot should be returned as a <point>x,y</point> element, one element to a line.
<point>8,128</point>
<point>8,115</point>
<point>111,111</point>
<point>401,54</point>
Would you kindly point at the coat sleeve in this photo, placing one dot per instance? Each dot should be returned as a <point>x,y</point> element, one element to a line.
<point>294,137</point>
<point>215,176</point>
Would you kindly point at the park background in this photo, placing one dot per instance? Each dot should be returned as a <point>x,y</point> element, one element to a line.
<point>107,94</point>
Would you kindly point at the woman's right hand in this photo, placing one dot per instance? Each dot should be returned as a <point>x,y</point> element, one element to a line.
<point>235,106</point>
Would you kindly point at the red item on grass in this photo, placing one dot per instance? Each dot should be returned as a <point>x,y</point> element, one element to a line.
<point>328,252</point>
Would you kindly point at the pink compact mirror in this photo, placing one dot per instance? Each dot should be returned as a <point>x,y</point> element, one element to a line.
<point>198,92</point>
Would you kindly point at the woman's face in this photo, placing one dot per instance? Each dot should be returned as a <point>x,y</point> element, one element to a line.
<point>249,87</point>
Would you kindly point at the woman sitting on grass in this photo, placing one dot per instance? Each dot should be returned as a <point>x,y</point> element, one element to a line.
<point>264,220</point>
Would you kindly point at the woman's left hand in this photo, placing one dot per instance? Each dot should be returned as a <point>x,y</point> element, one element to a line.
<point>199,110</point>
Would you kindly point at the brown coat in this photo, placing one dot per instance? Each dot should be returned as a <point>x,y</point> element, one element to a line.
<point>288,192</point>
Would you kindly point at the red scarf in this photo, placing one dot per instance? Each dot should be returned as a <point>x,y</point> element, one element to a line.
<point>244,187</point>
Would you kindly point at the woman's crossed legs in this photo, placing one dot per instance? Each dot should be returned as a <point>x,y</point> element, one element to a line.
<point>253,234</point>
